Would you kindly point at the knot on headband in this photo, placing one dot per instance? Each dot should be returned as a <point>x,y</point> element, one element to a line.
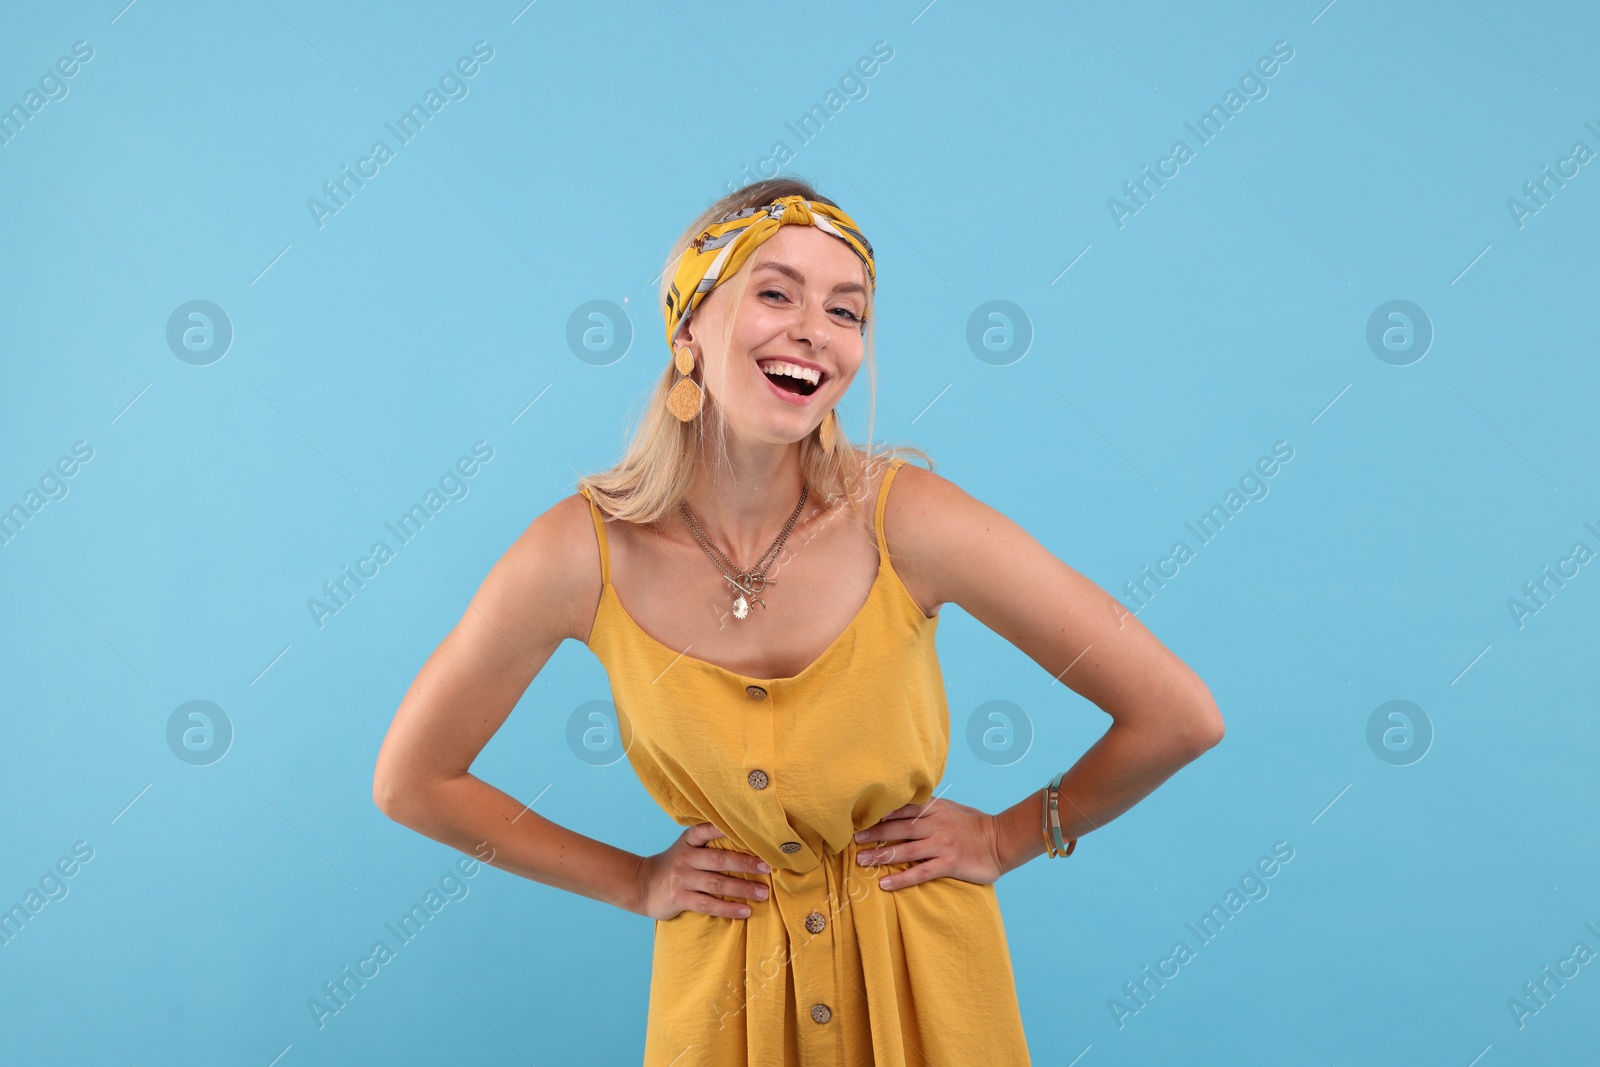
<point>723,247</point>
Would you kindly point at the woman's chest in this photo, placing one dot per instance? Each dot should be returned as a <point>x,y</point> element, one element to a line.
<point>678,596</point>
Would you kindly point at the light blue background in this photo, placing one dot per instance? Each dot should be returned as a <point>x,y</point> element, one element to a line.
<point>369,354</point>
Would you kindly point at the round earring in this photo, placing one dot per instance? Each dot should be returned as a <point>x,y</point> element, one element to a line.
<point>686,397</point>
<point>828,432</point>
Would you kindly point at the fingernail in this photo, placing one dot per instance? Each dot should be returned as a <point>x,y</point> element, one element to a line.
<point>743,912</point>
<point>886,884</point>
<point>762,867</point>
<point>761,894</point>
<point>861,835</point>
<point>863,858</point>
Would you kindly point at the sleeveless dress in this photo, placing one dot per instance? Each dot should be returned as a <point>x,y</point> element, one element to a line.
<point>830,969</point>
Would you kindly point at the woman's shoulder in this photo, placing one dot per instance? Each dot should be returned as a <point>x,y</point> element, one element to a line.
<point>920,516</point>
<point>557,559</point>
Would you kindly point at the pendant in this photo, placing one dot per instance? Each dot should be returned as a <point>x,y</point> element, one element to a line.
<point>749,586</point>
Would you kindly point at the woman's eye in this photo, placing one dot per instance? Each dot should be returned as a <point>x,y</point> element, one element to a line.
<point>853,317</point>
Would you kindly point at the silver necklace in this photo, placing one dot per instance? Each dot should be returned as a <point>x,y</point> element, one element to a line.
<point>747,583</point>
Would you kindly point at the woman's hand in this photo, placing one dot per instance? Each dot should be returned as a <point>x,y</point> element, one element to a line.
<point>683,878</point>
<point>948,838</point>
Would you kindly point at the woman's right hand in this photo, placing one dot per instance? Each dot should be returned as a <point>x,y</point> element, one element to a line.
<point>684,877</point>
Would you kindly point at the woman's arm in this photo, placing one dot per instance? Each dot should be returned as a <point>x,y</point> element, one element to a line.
<point>957,549</point>
<point>542,591</point>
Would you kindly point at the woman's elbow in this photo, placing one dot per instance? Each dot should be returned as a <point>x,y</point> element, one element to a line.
<point>1206,728</point>
<point>383,795</point>
<point>388,791</point>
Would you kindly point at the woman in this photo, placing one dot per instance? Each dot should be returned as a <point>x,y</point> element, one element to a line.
<point>822,906</point>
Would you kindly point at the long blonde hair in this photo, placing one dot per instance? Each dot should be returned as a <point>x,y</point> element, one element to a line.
<point>658,466</point>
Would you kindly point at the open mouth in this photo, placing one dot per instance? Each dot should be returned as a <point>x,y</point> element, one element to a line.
<point>792,379</point>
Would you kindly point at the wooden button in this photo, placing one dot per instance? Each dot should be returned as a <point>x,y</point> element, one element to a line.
<point>790,847</point>
<point>815,922</point>
<point>757,779</point>
<point>756,692</point>
<point>821,1012</point>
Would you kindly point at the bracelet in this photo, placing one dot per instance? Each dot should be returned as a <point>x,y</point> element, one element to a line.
<point>1050,820</point>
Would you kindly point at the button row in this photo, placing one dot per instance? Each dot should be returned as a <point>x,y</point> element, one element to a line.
<point>758,780</point>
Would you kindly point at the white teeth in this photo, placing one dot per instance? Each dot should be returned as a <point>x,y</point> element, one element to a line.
<point>793,370</point>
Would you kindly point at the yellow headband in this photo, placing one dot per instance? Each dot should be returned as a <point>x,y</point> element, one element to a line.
<point>722,249</point>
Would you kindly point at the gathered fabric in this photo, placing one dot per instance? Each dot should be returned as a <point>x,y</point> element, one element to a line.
<point>831,969</point>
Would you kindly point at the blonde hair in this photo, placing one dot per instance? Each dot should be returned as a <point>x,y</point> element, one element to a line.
<point>658,466</point>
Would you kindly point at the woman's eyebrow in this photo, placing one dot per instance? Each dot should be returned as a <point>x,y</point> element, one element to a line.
<point>784,268</point>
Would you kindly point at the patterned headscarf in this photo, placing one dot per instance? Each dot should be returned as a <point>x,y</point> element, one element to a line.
<point>722,249</point>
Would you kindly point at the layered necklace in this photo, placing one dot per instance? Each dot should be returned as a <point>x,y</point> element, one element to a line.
<point>747,584</point>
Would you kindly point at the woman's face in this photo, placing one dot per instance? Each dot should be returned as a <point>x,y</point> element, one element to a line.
<point>805,303</point>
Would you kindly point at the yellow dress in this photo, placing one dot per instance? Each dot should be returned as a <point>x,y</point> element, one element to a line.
<point>830,969</point>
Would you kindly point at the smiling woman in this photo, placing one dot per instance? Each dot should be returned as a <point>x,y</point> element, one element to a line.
<point>820,906</point>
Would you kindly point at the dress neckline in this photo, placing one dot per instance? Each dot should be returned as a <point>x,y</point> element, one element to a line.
<point>885,569</point>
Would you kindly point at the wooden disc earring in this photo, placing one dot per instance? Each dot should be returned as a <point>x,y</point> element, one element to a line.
<point>828,433</point>
<point>686,397</point>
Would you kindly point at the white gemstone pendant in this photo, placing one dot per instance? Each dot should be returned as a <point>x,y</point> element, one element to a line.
<point>741,608</point>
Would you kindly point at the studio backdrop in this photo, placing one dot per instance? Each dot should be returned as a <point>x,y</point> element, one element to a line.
<point>1277,321</point>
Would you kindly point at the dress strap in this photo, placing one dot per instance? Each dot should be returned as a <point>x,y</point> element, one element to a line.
<point>600,536</point>
<point>883,497</point>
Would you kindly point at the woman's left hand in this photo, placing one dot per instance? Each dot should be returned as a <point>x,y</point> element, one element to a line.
<point>948,839</point>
